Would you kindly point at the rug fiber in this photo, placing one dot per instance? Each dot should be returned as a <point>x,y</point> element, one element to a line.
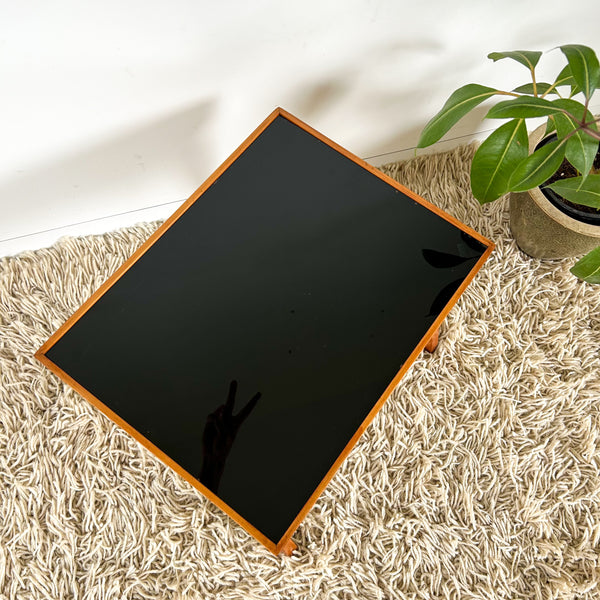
<point>478,479</point>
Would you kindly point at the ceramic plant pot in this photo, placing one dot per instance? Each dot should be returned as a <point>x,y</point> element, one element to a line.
<point>544,231</point>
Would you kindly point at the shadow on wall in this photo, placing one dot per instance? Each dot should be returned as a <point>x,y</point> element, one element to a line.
<point>408,138</point>
<point>174,146</point>
<point>388,106</point>
<point>164,160</point>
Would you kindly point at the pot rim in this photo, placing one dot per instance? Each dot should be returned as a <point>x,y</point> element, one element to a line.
<point>547,207</point>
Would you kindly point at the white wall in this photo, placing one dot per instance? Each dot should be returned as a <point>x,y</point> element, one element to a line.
<point>112,107</point>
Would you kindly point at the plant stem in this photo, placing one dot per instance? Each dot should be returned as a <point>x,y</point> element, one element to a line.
<point>534,82</point>
<point>592,133</point>
<point>585,125</point>
<point>552,87</point>
<point>501,93</point>
<point>585,108</point>
<point>594,120</point>
<point>582,125</point>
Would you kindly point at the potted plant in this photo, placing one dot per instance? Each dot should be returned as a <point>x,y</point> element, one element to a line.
<point>553,175</point>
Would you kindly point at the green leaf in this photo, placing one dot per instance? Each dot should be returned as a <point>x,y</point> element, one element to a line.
<point>528,58</point>
<point>457,106</point>
<point>496,159</point>
<point>588,267</point>
<point>565,78</point>
<point>581,148</point>
<point>523,108</point>
<point>584,67</point>
<point>540,88</point>
<point>550,126</point>
<point>579,190</point>
<point>538,167</point>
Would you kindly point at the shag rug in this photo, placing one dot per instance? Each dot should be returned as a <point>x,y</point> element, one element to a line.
<point>478,479</point>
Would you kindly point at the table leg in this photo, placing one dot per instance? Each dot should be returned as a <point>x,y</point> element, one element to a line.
<point>288,548</point>
<point>433,341</point>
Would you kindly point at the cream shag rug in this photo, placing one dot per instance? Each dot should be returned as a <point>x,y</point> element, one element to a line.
<point>478,479</point>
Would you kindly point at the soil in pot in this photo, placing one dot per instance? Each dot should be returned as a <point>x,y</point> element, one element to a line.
<point>586,214</point>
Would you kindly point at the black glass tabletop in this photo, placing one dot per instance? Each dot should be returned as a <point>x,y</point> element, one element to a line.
<point>254,336</point>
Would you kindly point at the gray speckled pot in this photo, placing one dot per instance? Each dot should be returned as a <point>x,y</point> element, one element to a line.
<point>542,230</point>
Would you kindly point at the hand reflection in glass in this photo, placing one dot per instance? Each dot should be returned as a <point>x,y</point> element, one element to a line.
<point>218,437</point>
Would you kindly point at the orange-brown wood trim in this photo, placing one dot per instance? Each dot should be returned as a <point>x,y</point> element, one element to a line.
<point>157,452</point>
<point>285,545</point>
<point>432,344</point>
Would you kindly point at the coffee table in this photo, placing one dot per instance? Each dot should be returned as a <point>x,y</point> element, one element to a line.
<point>253,337</point>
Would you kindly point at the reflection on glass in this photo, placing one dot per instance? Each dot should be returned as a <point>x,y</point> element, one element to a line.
<point>219,434</point>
